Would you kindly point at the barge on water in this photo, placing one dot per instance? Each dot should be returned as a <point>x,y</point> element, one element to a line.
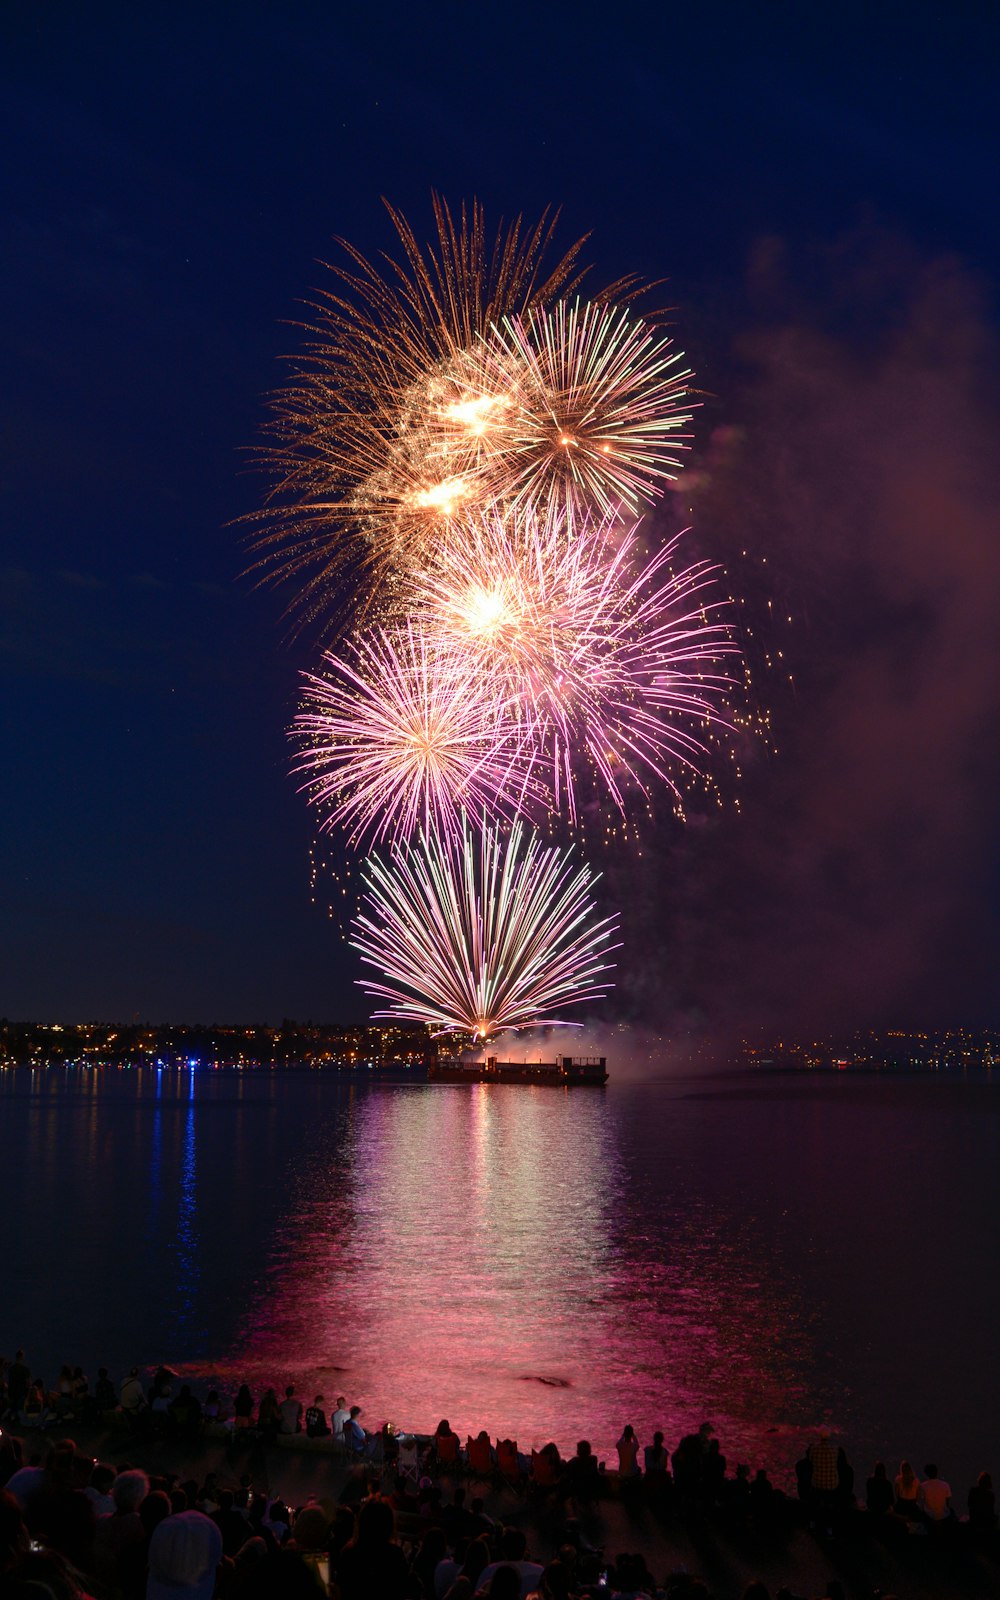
<point>564,1071</point>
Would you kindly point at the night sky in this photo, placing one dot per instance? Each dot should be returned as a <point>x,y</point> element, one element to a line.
<point>819,188</point>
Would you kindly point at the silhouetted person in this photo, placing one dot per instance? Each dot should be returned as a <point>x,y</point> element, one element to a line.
<point>317,1426</point>
<point>982,1506</point>
<point>879,1495</point>
<point>372,1563</point>
<point>823,1458</point>
<point>18,1384</point>
<point>934,1499</point>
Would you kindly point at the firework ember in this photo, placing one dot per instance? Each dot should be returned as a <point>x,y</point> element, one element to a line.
<point>481,932</point>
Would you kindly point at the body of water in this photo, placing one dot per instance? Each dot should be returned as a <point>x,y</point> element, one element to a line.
<point>766,1253</point>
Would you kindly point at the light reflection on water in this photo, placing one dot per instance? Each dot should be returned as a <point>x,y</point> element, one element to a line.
<point>762,1253</point>
<point>482,1254</point>
<point>188,1244</point>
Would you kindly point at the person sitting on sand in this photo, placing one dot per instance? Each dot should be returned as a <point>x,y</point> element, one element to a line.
<point>184,1552</point>
<point>28,1483</point>
<point>982,1505</point>
<point>98,1490</point>
<point>373,1563</point>
<point>105,1398</point>
<point>243,1407</point>
<point>934,1498</point>
<point>185,1412</point>
<point>61,1399</point>
<point>35,1411</point>
<point>504,1585</point>
<point>132,1397</point>
<point>124,1528</point>
<point>514,1553</point>
<point>632,1578</point>
<point>317,1426</point>
<point>546,1466</point>
<point>628,1453</point>
<point>879,1495</point>
<point>269,1416</point>
<point>213,1409</point>
<point>341,1417</point>
<point>582,1474</point>
<point>907,1487</point>
<point>355,1437</point>
<point>447,1450</point>
<point>479,1454</point>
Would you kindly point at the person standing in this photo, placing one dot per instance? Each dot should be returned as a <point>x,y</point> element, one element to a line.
<point>18,1384</point>
<point>823,1460</point>
<point>291,1412</point>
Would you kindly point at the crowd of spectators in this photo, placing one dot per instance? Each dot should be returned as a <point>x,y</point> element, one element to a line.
<point>404,1523</point>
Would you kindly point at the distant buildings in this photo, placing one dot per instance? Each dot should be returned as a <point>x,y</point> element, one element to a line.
<point>170,1045</point>
<point>949,1050</point>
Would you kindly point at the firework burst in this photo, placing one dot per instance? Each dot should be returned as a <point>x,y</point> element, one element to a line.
<point>601,651</point>
<point>391,385</point>
<point>596,403</point>
<point>481,934</point>
<point>399,734</point>
<point>463,452</point>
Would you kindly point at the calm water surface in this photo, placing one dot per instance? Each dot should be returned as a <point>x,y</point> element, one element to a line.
<point>765,1253</point>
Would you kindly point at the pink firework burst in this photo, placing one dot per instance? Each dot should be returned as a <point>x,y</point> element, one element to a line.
<point>401,733</point>
<point>603,653</point>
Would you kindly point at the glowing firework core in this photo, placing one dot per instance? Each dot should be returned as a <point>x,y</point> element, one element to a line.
<point>475,415</point>
<point>484,611</point>
<point>443,497</point>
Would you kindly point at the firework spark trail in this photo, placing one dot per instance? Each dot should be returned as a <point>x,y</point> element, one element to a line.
<point>403,735</point>
<point>481,937</point>
<point>601,650</point>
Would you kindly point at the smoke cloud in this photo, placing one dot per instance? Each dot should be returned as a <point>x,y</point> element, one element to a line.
<point>851,483</point>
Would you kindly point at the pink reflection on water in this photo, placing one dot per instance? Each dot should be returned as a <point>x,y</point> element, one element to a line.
<point>480,1253</point>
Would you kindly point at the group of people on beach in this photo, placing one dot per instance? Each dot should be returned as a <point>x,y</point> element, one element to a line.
<point>78,1526</point>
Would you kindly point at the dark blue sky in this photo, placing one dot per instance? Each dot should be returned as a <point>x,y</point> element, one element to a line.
<point>819,187</point>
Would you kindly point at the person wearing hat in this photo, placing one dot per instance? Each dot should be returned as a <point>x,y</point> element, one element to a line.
<point>184,1553</point>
